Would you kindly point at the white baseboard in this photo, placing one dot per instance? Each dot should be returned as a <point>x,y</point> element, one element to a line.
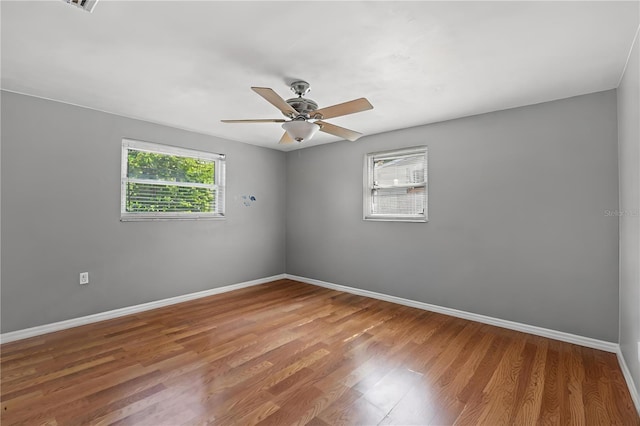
<point>629,379</point>
<point>525,328</point>
<point>75,322</point>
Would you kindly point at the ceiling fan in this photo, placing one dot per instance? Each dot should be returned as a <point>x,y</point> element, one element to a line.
<point>305,119</point>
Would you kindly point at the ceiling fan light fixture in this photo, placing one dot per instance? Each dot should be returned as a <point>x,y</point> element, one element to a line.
<point>301,130</point>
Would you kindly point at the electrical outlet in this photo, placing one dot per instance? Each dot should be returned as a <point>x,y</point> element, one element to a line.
<point>84,278</point>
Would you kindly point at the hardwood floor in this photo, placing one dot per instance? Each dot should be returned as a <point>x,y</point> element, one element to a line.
<point>291,353</point>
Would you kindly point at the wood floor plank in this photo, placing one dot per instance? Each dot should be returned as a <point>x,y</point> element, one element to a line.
<point>553,388</point>
<point>499,394</point>
<point>291,353</point>
<point>574,374</point>
<point>531,401</point>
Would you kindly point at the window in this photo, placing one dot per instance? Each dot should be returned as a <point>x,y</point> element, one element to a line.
<point>166,182</point>
<point>396,185</point>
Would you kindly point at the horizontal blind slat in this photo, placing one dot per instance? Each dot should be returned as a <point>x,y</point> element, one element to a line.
<point>171,183</point>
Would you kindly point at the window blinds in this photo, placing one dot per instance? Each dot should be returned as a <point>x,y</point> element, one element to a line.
<point>169,182</point>
<point>397,185</point>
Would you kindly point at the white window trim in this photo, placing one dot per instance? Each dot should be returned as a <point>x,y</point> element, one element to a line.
<point>368,185</point>
<point>219,186</point>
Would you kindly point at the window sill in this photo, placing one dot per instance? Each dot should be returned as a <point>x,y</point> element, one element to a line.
<point>136,218</point>
<point>395,219</point>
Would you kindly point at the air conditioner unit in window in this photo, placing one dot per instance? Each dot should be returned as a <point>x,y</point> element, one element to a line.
<point>87,5</point>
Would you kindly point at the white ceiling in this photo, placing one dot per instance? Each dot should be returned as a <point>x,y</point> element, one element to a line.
<point>190,64</point>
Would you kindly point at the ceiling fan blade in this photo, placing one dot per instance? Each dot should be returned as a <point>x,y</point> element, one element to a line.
<point>274,99</point>
<point>338,131</point>
<point>351,107</point>
<point>257,120</point>
<point>286,139</point>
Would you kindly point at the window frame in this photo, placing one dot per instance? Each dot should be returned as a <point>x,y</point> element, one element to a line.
<point>218,186</point>
<point>369,186</point>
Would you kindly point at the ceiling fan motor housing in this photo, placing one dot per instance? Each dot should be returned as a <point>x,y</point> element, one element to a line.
<point>304,106</point>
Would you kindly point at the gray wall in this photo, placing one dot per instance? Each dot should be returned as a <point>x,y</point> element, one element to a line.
<point>61,210</point>
<point>629,163</point>
<point>517,226</point>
